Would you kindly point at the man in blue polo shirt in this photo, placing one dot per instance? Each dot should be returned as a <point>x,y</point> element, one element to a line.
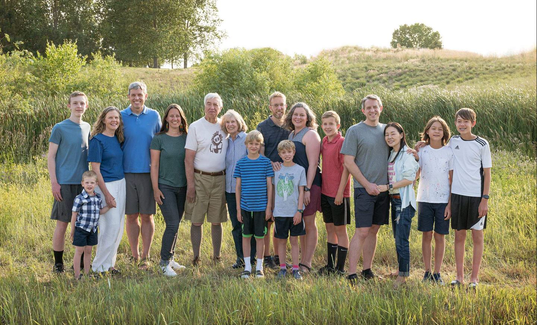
<point>273,132</point>
<point>141,123</point>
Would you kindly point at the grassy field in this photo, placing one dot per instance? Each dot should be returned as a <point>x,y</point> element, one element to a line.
<point>30,293</point>
<point>414,86</point>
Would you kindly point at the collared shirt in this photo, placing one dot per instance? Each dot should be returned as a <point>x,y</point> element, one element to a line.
<point>272,135</point>
<point>236,150</point>
<point>333,166</point>
<point>139,131</point>
<point>88,208</point>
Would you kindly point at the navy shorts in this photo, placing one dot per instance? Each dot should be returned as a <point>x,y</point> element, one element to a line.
<point>253,224</point>
<point>432,213</point>
<point>371,209</point>
<point>283,226</point>
<point>339,215</point>
<point>84,238</point>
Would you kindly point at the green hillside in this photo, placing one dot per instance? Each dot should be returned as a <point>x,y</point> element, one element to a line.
<point>398,69</point>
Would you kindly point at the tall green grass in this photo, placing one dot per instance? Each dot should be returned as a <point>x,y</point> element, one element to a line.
<point>30,293</point>
<point>506,116</point>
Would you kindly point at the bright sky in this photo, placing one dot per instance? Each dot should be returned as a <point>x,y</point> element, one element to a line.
<point>493,27</point>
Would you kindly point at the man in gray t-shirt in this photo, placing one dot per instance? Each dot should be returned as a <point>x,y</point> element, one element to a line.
<point>366,158</point>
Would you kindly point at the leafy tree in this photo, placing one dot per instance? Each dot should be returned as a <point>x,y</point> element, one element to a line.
<point>416,36</point>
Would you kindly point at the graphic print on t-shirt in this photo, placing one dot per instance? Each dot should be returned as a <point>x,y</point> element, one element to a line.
<point>285,186</point>
<point>216,145</point>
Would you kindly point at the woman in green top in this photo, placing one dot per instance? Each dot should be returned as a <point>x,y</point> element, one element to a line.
<point>169,180</point>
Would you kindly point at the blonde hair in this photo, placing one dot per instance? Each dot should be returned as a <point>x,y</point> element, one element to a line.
<point>286,145</point>
<point>254,136</point>
<point>466,114</point>
<point>445,129</point>
<point>233,114</point>
<point>277,94</point>
<point>88,174</point>
<point>333,114</point>
<point>99,125</point>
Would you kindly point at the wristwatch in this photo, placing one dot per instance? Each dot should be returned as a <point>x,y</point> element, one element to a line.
<point>306,189</point>
<point>485,196</point>
<point>390,186</point>
<point>300,210</point>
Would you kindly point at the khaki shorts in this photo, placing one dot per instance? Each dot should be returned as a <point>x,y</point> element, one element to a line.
<point>210,200</point>
<point>140,197</point>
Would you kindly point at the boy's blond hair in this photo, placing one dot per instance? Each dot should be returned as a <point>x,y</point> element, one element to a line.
<point>333,114</point>
<point>88,174</point>
<point>286,145</point>
<point>466,114</point>
<point>254,136</point>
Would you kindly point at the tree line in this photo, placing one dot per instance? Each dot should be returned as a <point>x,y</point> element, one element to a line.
<point>138,32</point>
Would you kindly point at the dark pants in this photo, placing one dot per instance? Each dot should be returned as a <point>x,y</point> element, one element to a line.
<point>237,232</point>
<point>401,222</point>
<point>172,209</point>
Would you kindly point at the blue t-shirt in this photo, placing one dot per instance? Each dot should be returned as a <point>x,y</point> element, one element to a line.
<point>107,151</point>
<point>253,175</point>
<point>139,131</point>
<point>72,154</point>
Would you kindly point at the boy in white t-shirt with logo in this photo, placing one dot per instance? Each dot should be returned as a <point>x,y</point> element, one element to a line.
<point>469,192</point>
<point>436,173</point>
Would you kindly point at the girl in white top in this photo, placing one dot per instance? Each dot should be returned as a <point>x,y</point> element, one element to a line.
<point>436,171</point>
<point>402,169</point>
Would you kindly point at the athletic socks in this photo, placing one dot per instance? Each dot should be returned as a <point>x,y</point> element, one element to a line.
<point>216,235</point>
<point>58,257</point>
<point>341,257</point>
<point>195,237</point>
<point>247,264</point>
<point>259,266</point>
<point>332,250</point>
<point>295,268</point>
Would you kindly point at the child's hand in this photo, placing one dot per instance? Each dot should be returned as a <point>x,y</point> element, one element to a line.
<point>419,145</point>
<point>268,214</point>
<point>339,199</point>
<point>447,212</point>
<point>110,201</point>
<point>297,218</point>
<point>483,208</point>
<point>239,216</point>
<point>72,233</point>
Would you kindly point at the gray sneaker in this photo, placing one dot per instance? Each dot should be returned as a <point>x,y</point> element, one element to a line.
<point>297,275</point>
<point>282,274</point>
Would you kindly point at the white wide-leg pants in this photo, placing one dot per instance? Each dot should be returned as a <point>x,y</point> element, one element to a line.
<point>110,227</point>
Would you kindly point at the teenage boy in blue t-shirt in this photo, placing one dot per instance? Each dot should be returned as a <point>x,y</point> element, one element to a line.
<point>253,193</point>
<point>67,161</point>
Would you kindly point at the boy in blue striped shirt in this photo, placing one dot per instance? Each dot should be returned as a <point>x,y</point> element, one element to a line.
<point>254,196</point>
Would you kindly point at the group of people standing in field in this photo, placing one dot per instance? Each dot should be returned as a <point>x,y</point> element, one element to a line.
<point>272,182</point>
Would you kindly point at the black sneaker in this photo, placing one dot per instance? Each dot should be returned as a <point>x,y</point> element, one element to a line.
<point>368,274</point>
<point>326,270</point>
<point>58,268</point>
<point>239,264</point>
<point>427,276</point>
<point>352,278</point>
<point>268,262</point>
<point>438,279</point>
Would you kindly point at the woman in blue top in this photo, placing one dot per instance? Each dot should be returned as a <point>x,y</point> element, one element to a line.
<point>302,123</point>
<point>402,169</point>
<point>234,126</point>
<point>168,179</point>
<point>106,158</point>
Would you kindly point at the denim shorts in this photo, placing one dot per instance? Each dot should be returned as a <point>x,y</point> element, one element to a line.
<point>430,214</point>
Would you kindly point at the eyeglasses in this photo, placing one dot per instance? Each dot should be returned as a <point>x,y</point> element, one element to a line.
<point>280,105</point>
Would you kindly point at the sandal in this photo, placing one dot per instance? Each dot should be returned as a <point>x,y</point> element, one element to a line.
<point>304,268</point>
<point>144,264</point>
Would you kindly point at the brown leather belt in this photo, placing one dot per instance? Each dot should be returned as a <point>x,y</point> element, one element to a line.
<point>220,173</point>
<point>395,196</point>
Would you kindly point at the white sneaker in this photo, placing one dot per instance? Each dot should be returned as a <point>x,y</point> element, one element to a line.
<point>167,270</point>
<point>176,265</point>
